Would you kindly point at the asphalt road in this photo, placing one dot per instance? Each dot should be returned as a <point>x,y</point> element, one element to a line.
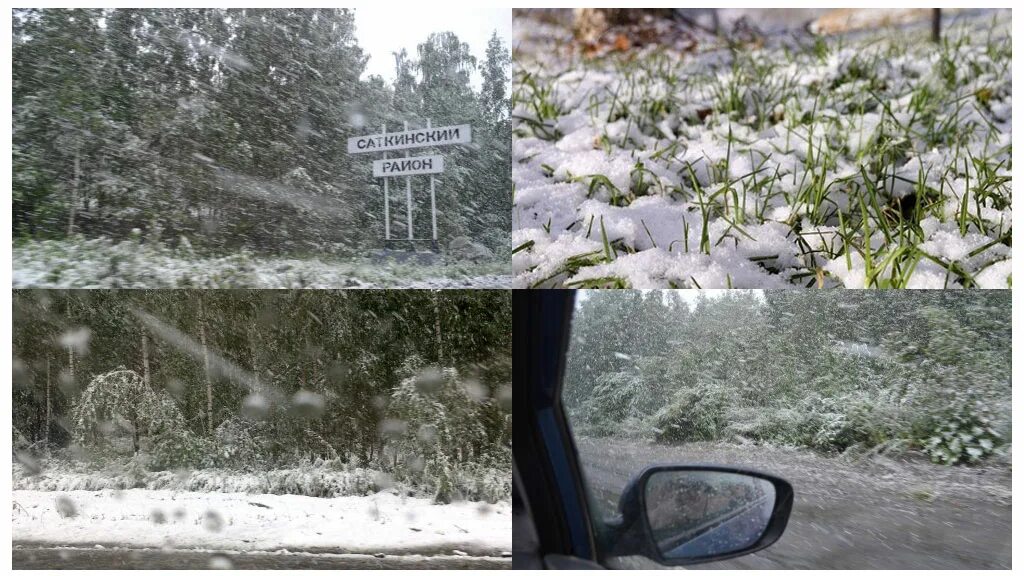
<point>875,513</point>
<point>150,559</point>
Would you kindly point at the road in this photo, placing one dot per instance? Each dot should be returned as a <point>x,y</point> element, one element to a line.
<point>876,513</point>
<point>153,559</point>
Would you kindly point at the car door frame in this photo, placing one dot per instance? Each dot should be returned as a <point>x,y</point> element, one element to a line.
<point>542,446</point>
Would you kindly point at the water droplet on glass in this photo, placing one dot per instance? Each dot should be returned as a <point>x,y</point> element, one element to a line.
<point>77,339</point>
<point>504,397</point>
<point>212,521</point>
<point>66,382</point>
<point>474,389</point>
<point>429,381</point>
<point>28,462</point>
<point>21,376</point>
<point>427,433</point>
<point>66,507</point>
<point>255,407</point>
<point>383,481</point>
<point>220,562</point>
<point>416,464</point>
<point>393,428</point>
<point>306,404</point>
<point>338,372</point>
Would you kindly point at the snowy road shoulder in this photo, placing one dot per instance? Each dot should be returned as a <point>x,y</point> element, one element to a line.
<point>103,263</point>
<point>383,523</point>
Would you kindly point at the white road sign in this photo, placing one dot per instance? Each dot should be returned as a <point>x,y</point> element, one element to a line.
<point>408,166</point>
<point>440,136</point>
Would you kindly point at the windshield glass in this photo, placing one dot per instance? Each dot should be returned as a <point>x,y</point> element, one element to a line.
<point>889,413</point>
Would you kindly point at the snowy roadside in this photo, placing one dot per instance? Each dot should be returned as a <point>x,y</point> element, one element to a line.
<point>379,524</point>
<point>101,263</point>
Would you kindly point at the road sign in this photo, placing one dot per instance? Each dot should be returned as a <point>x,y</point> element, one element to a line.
<point>441,136</point>
<point>408,166</point>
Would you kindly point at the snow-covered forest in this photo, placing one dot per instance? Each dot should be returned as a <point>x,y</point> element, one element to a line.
<point>207,147</point>
<point>390,408</point>
<point>896,372</point>
<point>651,150</point>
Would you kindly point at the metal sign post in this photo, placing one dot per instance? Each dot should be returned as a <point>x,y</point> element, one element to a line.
<point>408,193</point>
<point>410,166</point>
<point>387,215</point>
<point>433,206</point>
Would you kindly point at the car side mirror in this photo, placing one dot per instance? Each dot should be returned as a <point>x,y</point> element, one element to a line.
<point>678,515</point>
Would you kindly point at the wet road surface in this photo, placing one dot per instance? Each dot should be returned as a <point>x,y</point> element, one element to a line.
<point>151,559</point>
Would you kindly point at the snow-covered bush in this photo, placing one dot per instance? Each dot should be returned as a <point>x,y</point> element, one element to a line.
<point>967,434</point>
<point>696,413</point>
<point>616,397</point>
<point>436,429</point>
<point>121,403</point>
<point>853,419</point>
<point>486,481</point>
<point>782,426</point>
<point>182,449</point>
<point>241,443</point>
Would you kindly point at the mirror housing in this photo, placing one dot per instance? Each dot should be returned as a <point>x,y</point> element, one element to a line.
<point>632,534</point>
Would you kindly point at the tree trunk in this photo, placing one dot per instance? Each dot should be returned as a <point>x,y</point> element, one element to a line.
<point>936,24</point>
<point>37,430</point>
<point>437,328</point>
<point>49,413</point>
<point>135,436</point>
<point>145,358</point>
<point>71,351</point>
<point>206,368</point>
<point>253,334</point>
<point>74,194</point>
<point>71,363</point>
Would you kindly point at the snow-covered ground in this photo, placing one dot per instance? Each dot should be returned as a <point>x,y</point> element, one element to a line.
<point>100,263</point>
<point>383,523</point>
<point>871,160</point>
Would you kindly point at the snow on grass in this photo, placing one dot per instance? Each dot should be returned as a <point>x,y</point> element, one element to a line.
<point>230,521</point>
<point>323,479</point>
<point>101,263</point>
<point>871,160</point>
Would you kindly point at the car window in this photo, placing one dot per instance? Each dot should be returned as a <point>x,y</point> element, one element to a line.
<point>889,413</point>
